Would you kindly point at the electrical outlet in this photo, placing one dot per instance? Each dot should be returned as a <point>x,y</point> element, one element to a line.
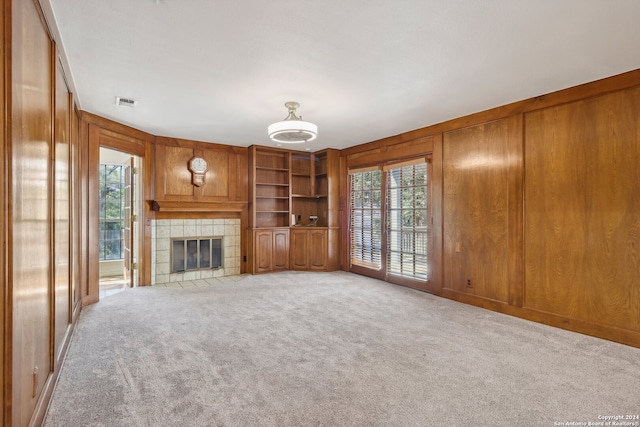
<point>469,283</point>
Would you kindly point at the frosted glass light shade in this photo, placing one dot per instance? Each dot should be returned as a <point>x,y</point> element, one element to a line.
<point>293,131</point>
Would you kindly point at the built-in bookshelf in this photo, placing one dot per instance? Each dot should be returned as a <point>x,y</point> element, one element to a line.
<point>289,189</point>
<point>309,189</point>
<point>301,182</point>
<point>270,188</point>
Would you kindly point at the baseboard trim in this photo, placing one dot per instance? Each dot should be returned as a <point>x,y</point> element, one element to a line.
<point>609,333</point>
<point>42,406</point>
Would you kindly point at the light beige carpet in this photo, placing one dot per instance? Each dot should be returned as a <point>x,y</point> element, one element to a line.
<point>330,349</point>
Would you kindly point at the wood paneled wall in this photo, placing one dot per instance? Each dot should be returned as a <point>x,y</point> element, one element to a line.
<point>38,221</point>
<point>476,183</point>
<point>537,204</point>
<point>582,222</point>
<point>226,179</point>
<point>31,215</point>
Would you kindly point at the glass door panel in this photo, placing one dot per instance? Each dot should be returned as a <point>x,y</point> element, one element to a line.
<point>407,218</point>
<point>366,219</point>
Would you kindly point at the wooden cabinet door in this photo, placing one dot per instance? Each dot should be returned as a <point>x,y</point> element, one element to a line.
<point>298,249</point>
<point>280,257</point>
<point>263,250</point>
<point>317,249</point>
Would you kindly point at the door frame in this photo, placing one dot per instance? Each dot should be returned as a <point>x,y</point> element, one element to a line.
<point>131,207</point>
<point>101,137</point>
<point>383,273</point>
<point>401,280</point>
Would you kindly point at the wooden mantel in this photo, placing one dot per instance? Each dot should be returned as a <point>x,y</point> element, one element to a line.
<point>179,209</point>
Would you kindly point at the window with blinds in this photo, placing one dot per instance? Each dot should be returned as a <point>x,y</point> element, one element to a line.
<point>366,218</point>
<point>407,219</point>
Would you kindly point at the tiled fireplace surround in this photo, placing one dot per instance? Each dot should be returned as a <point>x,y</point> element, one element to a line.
<point>163,230</point>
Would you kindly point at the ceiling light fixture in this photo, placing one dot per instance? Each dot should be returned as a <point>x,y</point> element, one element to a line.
<point>293,129</point>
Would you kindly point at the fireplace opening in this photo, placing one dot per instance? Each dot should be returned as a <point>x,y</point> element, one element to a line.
<point>199,253</point>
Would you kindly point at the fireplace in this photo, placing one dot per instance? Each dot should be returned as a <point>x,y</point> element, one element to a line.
<point>194,249</point>
<point>196,253</point>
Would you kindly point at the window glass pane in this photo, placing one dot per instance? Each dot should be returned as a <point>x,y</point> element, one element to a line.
<point>111,190</point>
<point>366,183</point>
<point>356,182</point>
<point>357,197</point>
<point>177,256</point>
<point>205,253</point>
<point>113,249</point>
<point>216,247</point>
<point>113,174</point>
<point>192,254</point>
<point>376,199</point>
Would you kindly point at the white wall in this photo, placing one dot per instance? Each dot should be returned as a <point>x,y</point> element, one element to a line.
<point>111,268</point>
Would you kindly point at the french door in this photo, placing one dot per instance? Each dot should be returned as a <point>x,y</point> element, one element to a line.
<point>365,225</point>
<point>129,217</point>
<point>390,221</point>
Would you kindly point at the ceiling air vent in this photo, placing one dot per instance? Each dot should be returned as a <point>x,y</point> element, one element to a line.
<point>125,102</point>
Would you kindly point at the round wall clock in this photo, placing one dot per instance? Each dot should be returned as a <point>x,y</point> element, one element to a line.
<point>198,166</point>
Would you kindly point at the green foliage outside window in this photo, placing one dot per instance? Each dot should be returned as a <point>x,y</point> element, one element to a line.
<point>410,185</point>
<point>111,211</point>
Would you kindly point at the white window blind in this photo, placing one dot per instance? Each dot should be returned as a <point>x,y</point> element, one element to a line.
<point>366,218</point>
<point>407,220</point>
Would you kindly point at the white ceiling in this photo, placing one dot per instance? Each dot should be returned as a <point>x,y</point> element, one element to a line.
<point>220,71</point>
